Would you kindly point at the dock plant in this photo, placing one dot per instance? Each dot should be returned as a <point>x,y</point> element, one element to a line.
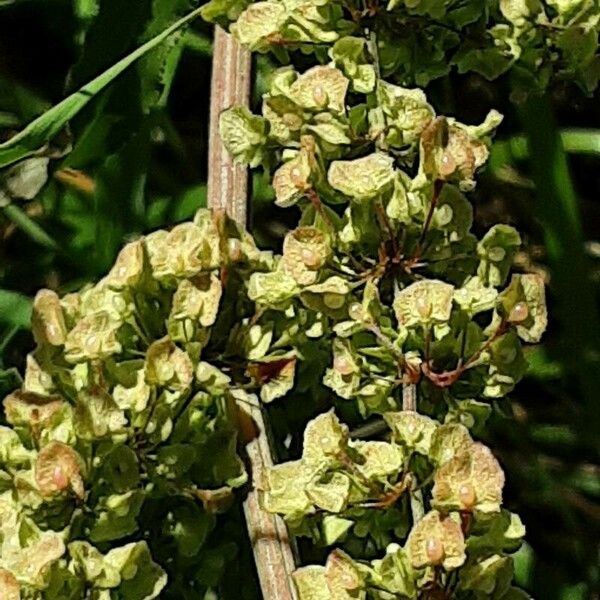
<point>393,327</point>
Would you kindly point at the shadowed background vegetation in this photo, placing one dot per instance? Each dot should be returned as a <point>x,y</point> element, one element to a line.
<point>135,158</point>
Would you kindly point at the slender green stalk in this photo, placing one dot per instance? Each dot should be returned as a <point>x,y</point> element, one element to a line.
<point>7,339</point>
<point>29,226</point>
<point>40,130</point>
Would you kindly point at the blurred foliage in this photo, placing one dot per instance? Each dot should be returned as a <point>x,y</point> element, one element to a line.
<point>133,159</point>
<point>128,162</point>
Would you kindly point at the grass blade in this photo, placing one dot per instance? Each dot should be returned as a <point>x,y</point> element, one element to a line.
<point>574,141</point>
<point>39,131</point>
<point>29,226</point>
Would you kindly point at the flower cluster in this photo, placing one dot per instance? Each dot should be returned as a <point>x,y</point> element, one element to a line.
<point>120,447</point>
<point>383,266</point>
<point>421,40</point>
<point>356,494</point>
<point>385,297</point>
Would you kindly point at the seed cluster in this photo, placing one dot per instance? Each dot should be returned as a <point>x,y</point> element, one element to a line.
<point>383,292</point>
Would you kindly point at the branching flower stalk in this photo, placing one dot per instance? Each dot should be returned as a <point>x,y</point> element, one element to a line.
<point>384,272</point>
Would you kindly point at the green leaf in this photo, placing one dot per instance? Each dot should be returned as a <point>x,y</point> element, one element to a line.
<point>223,10</point>
<point>348,54</point>
<point>197,42</point>
<point>117,516</point>
<point>15,309</point>
<point>9,380</point>
<point>158,68</point>
<point>496,251</point>
<point>119,200</point>
<point>189,527</point>
<point>394,573</point>
<point>541,366</point>
<point>334,528</point>
<point>491,576</point>
<point>86,9</point>
<point>129,570</point>
<point>311,583</point>
<point>363,178</point>
<point>243,134</point>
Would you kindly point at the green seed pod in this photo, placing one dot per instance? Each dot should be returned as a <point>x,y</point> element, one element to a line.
<point>436,540</point>
<point>471,481</point>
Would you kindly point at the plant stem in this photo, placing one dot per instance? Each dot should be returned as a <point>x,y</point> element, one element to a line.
<point>384,224</point>
<point>437,188</point>
<point>318,206</point>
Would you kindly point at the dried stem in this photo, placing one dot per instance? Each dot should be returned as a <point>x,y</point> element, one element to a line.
<point>447,378</point>
<point>385,224</point>
<point>318,206</point>
<point>438,184</point>
<point>228,189</point>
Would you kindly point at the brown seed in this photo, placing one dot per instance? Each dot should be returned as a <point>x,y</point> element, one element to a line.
<point>423,307</point>
<point>519,312</point>
<point>292,121</point>
<point>9,586</point>
<point>466,495</point>
<point>434,550</point>
<point>58,468</point>
<point>342,365</point>
<point>310,257</point>
<point>333,301</point>
<point>448,166</point>
<point>320,95</point>
<point>296,177</point>
<point>59,478</point>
